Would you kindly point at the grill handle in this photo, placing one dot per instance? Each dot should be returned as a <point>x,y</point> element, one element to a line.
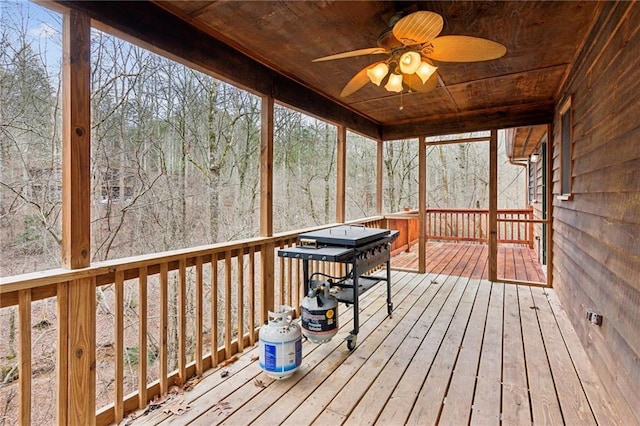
<point>308,243</point>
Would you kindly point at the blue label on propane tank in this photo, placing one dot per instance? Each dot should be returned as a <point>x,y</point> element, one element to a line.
<point>270,358</point>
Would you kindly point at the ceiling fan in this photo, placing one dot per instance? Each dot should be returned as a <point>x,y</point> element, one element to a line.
<point>412,44</point>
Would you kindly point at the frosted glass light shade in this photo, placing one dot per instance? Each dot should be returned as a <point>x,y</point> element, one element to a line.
<point>377,73</point>
<point>409,62</point>
<point>425,71</point>
<point>395,83</point>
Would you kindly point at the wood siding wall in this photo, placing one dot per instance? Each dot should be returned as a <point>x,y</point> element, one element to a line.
<point>596,249</point>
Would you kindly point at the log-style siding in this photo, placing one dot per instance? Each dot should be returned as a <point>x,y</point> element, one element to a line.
<point>596,251</point>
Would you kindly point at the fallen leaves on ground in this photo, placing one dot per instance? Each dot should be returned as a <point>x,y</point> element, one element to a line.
<point>222,407</point>
<point>177,408</point>
<point>259,383</point>
<point>255,358</point>
<point>156,403</point>
<point>224,373</point>
<point>191,383</point>
<point>229,361</point>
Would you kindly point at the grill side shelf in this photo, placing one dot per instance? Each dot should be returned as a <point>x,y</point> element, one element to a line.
<point>345,295</point>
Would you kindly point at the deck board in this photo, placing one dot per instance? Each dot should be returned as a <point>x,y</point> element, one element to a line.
<point>514,262</point>
<point>457,350</point>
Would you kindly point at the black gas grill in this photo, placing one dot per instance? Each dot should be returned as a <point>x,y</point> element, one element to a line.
<point>360,249</point>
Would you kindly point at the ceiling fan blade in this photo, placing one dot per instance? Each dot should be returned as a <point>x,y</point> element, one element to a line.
<point>457,48</point>
<point>352,53</point>
<point>414,83</point>
<point>418,27</point>
<point>357,82</point>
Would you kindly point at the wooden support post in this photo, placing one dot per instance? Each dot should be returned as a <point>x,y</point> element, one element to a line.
<point>164,327</point>
<point>267,293</point>
<point>81,391</point>
<point>379,172</point>
<point>119,346</point>
<point>214,310</point>
<point>266,167</point>
<point>62,364</point>
<point>549,206</point>
<point>227,305</point>
<point>182,320</point>
<point>199,313</point>
<point>422,205</point>
<point>531,230</point>
<point>79,330</point>
<point>24,355</point>
<point>341,185</point>
<point>493,206</point>
<point>266,206</point>
<point>142,337</point>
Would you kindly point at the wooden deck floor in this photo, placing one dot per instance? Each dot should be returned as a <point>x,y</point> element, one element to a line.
<point>514,262</point>
<point>457,350</point>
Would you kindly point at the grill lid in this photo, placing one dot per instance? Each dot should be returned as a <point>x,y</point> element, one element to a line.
<point>345,235</point>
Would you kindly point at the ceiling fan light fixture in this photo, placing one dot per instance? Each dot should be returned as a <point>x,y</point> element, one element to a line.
<point>425,71</point>
<point>377,73</point>
<point>410,62</point>
<point>395,83</point>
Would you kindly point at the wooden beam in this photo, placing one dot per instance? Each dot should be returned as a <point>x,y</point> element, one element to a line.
<point>81,407</point>
<point>473,121</point>
<point>341,185</point>
<point>266,167</point>
<point>76,142</point>
<point>62,360</point>
<point>422,205</point>
<point>266,206</point>
<point>146,24</point>
<point>549,206</point>
<point>493,206</point>
<point>119,346</point>
<point>379,177</point>
<point>24,355</point>
<point>80,327</point>
<point>142,337</point>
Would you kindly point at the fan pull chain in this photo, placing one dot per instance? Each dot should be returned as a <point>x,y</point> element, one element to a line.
<point>401,105</point>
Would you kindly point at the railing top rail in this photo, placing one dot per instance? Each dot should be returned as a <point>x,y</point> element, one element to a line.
<point>456,210</point>
<point>44,278</point>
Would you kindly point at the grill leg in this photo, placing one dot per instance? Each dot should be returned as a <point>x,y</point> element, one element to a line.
<point>389,303</point>
<point>356,304</point>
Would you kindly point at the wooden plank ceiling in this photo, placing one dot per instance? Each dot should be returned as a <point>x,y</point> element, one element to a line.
<point>272,45</point>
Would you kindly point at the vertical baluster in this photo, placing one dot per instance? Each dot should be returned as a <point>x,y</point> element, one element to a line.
<point>252,296</point>
<point>199,313</point>
<point>457,233</point>
<point>119,345</point>
<point>24,366</point>
<point>142,337</point>
<point>214,309</point>
<point>530,235</point>
<point>227,304</point>
<point>164,322</point>
<point>240,290</point>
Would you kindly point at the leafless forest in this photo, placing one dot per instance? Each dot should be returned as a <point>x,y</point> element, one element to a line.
<point>175,163</point>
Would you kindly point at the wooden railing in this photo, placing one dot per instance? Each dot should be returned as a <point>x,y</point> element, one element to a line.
<point>466,225</point>
<point>164,301</point>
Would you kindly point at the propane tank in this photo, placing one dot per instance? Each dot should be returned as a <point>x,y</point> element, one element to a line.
<point>280,344</point>
<point>319,313</point>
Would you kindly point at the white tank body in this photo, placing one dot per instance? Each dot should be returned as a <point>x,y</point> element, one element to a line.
<point>280,344</point>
